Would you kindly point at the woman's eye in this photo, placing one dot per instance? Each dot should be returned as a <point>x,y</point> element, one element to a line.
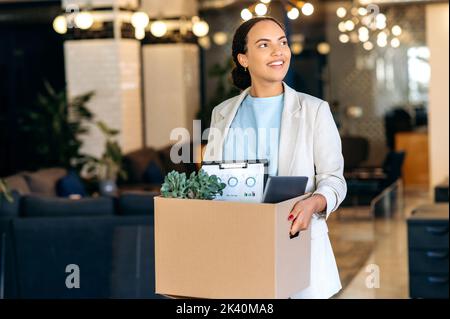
<point>284,42</point>
<point>263,45</point>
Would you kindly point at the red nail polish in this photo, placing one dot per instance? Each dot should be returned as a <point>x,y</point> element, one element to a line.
<point>290,217</point>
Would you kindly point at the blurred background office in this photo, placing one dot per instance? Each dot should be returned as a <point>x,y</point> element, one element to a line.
<point>90,91</point>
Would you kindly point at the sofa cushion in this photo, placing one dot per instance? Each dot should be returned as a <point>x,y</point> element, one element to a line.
<point>19,183</point>
<point>182,167</point>
<point>8,209</point>
<point>34,206</point>
<point>43,182</point>
<point>71,184</point>
<point>138,161</point>
<point>153,174</point>
<point>115,256</point>
<point>136,203</point>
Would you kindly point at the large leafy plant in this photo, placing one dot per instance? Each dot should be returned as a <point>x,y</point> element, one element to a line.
<point>197,186</point>
<point>54,127</point>
<point>5,191</point>
<point>109,165</point>
<point>221,74</point>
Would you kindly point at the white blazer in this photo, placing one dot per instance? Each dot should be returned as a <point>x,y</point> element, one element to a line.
<point>310,146</point>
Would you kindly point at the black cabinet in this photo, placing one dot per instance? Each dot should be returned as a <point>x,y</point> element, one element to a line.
<point>441,192</point>
<point>428,251</point>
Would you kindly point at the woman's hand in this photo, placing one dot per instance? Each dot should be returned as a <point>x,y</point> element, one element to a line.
<point>303,210</point>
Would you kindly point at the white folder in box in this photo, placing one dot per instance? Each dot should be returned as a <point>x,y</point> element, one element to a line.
<point>244,180</point>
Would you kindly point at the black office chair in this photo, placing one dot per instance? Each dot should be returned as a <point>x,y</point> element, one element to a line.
<point>364,184</point>
<point>355,150</point>
<point>392,167</point>
<point>396,120</point>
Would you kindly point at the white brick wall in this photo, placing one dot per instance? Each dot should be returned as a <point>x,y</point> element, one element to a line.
<point>171,80</point>
<point>170,8</point>
<point>130,69</point>
<point>102,3</point>
<point>111,68</point>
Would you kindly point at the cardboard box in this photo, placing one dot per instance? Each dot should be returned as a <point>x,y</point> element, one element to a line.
<point>219,249</point>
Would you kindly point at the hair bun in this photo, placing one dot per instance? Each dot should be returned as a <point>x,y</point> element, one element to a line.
<point>241,78</point>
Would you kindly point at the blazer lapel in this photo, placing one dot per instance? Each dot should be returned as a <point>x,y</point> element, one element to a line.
<point>290,124</point>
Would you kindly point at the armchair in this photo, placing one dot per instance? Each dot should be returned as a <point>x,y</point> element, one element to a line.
<point>365,183</point>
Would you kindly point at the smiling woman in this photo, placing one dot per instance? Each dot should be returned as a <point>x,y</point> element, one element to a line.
<point>294,131</point>
<point>262,55</point>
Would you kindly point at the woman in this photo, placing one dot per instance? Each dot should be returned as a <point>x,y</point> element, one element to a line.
<point>308,143</point>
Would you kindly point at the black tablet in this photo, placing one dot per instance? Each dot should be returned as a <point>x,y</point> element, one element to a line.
<point>281,188</point>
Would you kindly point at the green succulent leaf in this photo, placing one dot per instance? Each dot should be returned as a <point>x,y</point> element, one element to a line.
<point>198,186</point>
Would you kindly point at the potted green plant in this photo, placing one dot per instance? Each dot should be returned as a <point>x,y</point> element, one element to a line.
<point>108,167</point>
<point>221,75</point>
<point>53,128</point>
<point>197,186</point>
<point>5,192</point>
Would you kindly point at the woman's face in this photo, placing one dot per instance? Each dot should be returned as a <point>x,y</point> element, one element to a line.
<point>268,54</point>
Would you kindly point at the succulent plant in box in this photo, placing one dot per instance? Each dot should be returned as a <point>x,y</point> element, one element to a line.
<point>197,186</point>
<point>175,185</point>
<point>203,186</point>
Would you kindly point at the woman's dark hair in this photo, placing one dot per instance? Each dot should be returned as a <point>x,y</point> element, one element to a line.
<point>241,77</point>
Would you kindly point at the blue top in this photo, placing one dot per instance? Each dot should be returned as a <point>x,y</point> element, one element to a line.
<point>255,131</point>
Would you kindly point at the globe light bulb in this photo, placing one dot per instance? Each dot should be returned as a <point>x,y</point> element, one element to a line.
<point>342,27</point>
<point>368,45</point>
<point>363,37</point>
<point>396,30</point>
<point>260,9</point>
<point>158,29</point>
<point>362,11</point>
<point>200,29</point>
<point>381,42</point>
<point>395,43</point>
<point>60,24</point>
<point>204,42</point>
<point>220,38</point>
<point>344,38</point>
<point>293,13</point>
<point>349,25</point>
<point>323,48</point>
<point>341,12</point>
<point>307,9</point>
<point>140,20</point>
<point>296,48</point>
<point>84,20</point>
<point>139,33</point>
<point>246,14</point>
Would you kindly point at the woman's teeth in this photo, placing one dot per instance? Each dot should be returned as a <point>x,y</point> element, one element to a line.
<point>276,63</point>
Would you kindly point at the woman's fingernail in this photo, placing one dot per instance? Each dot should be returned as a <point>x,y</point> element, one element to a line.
<point>290,217</point>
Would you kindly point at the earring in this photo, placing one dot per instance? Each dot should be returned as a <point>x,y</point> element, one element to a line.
<point>245,69</point>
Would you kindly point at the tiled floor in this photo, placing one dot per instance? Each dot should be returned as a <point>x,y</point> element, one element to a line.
<point>385,273</point>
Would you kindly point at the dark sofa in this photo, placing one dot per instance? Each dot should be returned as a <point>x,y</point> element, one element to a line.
<point>114,254</point>
<point>147,167</point>
<point>110,240</point>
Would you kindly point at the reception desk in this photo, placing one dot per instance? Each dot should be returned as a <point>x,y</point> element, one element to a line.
<point>415,166</point>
